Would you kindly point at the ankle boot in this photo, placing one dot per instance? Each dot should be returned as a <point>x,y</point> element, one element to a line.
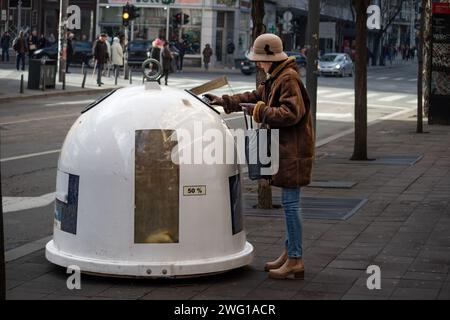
<point>292,267</point>
<point>277,263</point>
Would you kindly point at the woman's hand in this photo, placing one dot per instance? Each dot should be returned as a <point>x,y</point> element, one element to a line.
<point>214,100</point>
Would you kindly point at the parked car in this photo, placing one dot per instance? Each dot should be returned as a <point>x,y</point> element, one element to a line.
<point>249,67</point>
<point>336,64</point>
<point>138,51</point>
<point>82,52</point>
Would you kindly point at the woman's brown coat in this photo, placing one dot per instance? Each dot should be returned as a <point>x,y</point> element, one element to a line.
<point>284,103</point>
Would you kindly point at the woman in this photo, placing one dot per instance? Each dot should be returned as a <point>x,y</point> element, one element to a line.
<point>156,52</point>
<point>117,55</point>
<point>284,104</point>
<point>207,53</point>
<point>32,43</point>
<point>166,57</point>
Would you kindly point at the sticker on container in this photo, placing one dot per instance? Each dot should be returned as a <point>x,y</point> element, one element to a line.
<point>194,191</point>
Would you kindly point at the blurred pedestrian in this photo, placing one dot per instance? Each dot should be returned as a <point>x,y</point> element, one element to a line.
<point>230,53</point>
<point>101,56</point>
<point>32,43</point>
<point>181,46</point>
<point>166,57</point>
<point>20,46</point>
<point>155,53</point>
<point>5,44</point>
<point>207,53</point>
<point>51,39</point>
<point>282,103</point>
<point>42,42</point>
<point>117,55</point>
<point>69,51</point>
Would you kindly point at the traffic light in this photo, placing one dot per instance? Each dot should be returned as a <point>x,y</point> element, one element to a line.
<point>135,12</point>
<point>185,18</point>
<point>126,15</point>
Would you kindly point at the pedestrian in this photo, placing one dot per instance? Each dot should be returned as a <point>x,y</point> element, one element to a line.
<point>181,46</point>
<point>101,56</point>
<point>69,51</point>
<point>42,42</point>
<point>117,55</point>
<point>166,57</point>
<point>207,53</point>
<point>51,39</point>
<point>20,46</point>
<point>230,53</point>
<point>155,53</point>
<point>282,103</point>
<point>5,44</point>
<point>33,42</point>
<point>108,63</point>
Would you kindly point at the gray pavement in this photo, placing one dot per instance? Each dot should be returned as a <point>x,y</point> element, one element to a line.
<point>403,227</point>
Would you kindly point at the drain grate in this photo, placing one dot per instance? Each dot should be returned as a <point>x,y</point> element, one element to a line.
<point>386,160</point>
<point>312,208</point>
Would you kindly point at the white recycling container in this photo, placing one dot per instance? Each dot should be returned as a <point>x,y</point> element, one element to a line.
<point>125,203</point>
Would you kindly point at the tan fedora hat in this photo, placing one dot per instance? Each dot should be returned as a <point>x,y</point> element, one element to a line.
<point>267,47</point>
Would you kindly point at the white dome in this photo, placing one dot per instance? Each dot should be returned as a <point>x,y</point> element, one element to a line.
<point>123,208</point>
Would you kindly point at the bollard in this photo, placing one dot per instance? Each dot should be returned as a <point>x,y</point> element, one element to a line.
<point>131,76</point>
<point>116,75</point>
<point>43,77</point>
<point>64,83</point>
<point>84,79</point>
<point>82,67</point>
<point>143,79</point>
<point>21,83</point>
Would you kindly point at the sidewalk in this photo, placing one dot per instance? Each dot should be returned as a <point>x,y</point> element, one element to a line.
<point>404,228</point>
<point>10,82</point>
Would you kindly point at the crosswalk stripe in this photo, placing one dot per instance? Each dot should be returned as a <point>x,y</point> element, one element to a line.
<point>399,79</point>
<point>373,94</point>
<point>393,98</point>
<point>412,101</point>
<point>382,78</point>
<point>340,94</point>
<point>411,80</point>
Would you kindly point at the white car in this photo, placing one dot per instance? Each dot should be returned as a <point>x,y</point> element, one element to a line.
<point>336,64</point>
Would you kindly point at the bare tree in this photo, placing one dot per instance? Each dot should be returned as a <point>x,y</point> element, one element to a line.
<point>264,189</point>
<point>389,12</point>
<point>360,144</point>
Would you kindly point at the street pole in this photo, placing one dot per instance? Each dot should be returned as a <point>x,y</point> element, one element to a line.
<point>19,16</point>
<point>313,55</point>
<point>62,40</point>
<point>126,67</point>
<point>168,23</point>
<point>420,69</point>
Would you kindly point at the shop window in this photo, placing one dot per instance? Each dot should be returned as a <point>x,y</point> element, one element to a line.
<point>157,179</point>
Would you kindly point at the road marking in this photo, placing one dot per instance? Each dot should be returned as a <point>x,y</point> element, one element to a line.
<point>325,115</point>
<point>63,103</point>
<point>411,80</point>
<point>39,119</point>
<point>412,101</point>
<point>371,95</point>
<point>26,249</point>
<point>321,91</point>
<point>340,94</point>
<point>13,204</point>
<point>370,105</point>
<point>382,78</point>
<point>30,155</point>
<point>399,79</point>
<point>393,98</point>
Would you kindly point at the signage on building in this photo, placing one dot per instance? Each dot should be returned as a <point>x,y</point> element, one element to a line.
<point>74,17</point>
<point>25,3</point>
<point>439,112</point>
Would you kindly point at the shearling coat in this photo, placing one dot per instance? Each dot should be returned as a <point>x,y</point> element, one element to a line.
<point>283,102</point>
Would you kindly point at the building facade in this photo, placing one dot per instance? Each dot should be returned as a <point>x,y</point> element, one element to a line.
<point>214,22</point>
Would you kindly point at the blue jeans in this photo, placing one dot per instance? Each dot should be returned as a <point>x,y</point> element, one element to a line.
<point>290,199</point>
<point>20,56</point>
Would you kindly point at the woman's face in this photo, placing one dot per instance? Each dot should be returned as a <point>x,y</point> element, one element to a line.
<point>264,65</point>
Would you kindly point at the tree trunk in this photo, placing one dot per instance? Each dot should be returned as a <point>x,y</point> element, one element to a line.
<point>264,189</point>
<point>360,146</point>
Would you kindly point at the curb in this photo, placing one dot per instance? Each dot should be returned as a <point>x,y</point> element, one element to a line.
<point>56,94</point>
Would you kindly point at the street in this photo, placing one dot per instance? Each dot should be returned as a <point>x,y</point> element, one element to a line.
<point>32,132</point>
